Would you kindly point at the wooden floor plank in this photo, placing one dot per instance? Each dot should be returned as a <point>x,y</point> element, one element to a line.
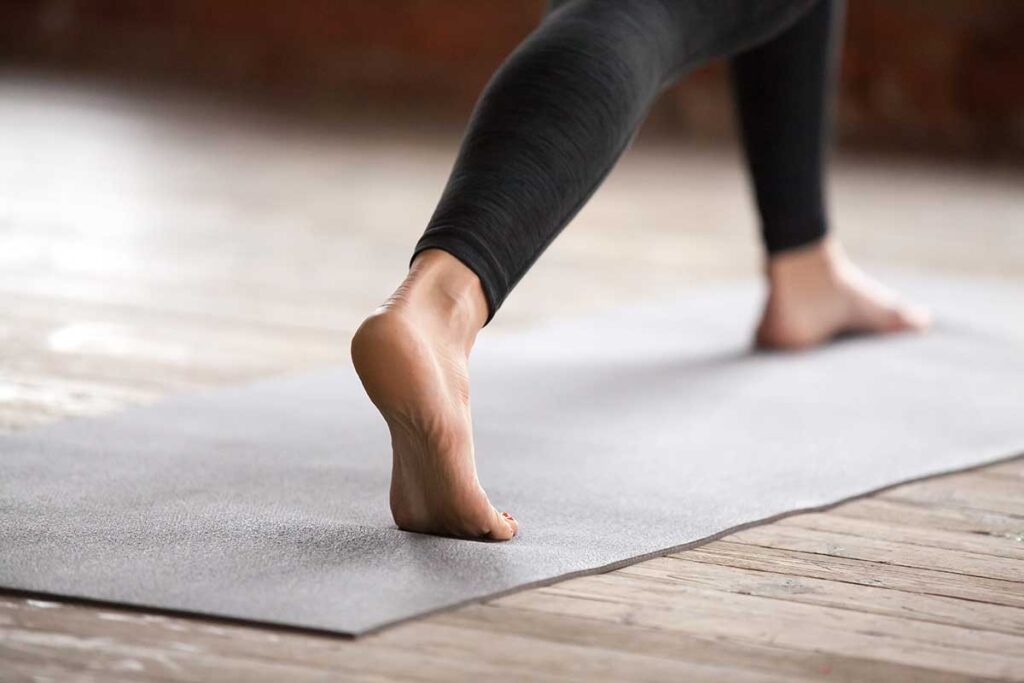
<point>959,562</point>
<point>968,490</point>
<point>794,664</point>
<point>435,652</point>
<point>966,520</point>
<point>872,599</point>
<point>653,588</point>
<point>31,668</point>
<point>863,572</point>
<point>1013,469</point>
<point>833,631</point>
<point>1002,545</point>
<point>532,654</point>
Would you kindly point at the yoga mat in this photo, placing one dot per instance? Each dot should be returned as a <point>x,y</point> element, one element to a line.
<point>611,438</point>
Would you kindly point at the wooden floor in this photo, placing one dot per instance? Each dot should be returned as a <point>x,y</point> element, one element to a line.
<point>152,244</point>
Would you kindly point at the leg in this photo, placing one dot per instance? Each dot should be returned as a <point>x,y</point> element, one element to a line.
<point>784,91</point>
<point>546,131</point>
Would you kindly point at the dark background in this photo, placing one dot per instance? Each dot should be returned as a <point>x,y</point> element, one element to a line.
<point>937,77</point>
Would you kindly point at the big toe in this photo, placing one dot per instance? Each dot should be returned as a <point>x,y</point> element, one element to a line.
<point>886,314</point>
<point>504,526</point>
<point>912,318</point>
<point>897,318</point>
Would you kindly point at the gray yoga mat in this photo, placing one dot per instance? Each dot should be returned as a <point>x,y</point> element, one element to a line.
<point>611,438</point>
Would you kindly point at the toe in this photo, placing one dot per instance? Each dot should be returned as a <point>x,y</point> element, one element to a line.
<point>897,318</point>
<point>884,315</point>
<point>511,521</point>
<point>504,526</point>
<point>912,318</point>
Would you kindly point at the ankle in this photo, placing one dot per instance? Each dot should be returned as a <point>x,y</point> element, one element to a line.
<point>820,262</point>
<point>441,291</point>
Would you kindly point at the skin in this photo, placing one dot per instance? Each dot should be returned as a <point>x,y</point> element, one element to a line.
<point>412,356</point>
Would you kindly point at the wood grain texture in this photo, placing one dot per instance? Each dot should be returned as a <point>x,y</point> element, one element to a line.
<point>152,244</point>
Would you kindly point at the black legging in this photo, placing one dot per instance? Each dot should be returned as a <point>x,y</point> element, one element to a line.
<point>565,105</point>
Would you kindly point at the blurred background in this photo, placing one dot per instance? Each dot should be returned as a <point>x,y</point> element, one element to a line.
<point>200,192</point>
<point>941,76</point>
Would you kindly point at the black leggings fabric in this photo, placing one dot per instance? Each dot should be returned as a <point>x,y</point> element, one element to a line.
<point>564,106</point>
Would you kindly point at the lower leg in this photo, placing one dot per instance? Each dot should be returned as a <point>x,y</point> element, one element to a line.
<point>784,90</point>
<point>548,127</point>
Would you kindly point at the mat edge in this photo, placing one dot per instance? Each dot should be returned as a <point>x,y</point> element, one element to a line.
<point>355,634</point>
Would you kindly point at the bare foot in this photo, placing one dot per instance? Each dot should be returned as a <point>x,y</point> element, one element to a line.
<point>816,293</point>
<point>412,356</point>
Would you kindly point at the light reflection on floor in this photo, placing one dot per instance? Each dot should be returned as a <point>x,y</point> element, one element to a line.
<point>151,242</point>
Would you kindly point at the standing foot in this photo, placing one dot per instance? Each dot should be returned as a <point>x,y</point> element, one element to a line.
<point>412,356</point>
<point>816,294</point>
